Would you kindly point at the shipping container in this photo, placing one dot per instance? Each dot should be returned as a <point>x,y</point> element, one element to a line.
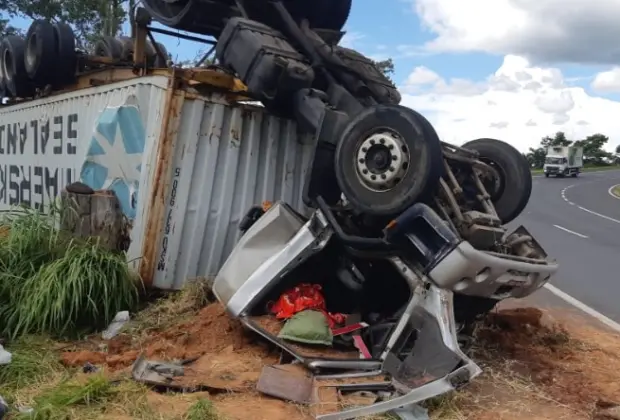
<point>186,162</point>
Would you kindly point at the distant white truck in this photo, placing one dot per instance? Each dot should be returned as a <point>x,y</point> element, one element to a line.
<point>563,161</point>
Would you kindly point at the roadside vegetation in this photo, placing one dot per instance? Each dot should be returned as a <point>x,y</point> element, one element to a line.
<point>52,283</point>
<point>526,355</point>
<point>592,168</point>
<point>594,154</point>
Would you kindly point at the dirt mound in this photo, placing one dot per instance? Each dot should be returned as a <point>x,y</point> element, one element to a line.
<point>209,332</point>
<point>228,359</point>
<point>567,362</point>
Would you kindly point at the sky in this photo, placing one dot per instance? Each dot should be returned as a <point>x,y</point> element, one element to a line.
<point>515,70</point>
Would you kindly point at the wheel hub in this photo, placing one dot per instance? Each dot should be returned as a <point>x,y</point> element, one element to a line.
<point>382,160</point>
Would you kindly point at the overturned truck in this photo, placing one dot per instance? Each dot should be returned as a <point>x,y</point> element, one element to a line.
<point>406,234</point>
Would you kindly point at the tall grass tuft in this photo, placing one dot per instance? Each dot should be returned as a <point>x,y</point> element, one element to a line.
<point>52,283</point>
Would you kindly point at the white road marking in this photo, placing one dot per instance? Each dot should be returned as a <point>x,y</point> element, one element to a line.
<point>610,191</point>
<point>585,172</point>
<point>570,231</point>
<point>563,194</point>
<point>611,219</point>
<point>583,307</point>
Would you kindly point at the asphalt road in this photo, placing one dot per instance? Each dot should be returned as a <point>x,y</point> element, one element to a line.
<point>577,221</point>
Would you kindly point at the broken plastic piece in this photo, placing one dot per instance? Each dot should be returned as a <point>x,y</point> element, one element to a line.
<point>5,356</point>
<point>349,329</point>
<point>412,412</point>
<point>4,408</point>
<point>120,319</point>
<point>155,373</point>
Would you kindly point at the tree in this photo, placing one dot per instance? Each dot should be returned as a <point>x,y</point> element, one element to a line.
<point>593,148</point>
<point>618,150</point>
<point>559,139</point>
<point>593,152</point>
<point>536,157</point>
<point>386,67</point>
<point>90,19</point>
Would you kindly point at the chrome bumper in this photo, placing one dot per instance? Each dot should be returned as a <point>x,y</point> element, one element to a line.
<point>468,271</point>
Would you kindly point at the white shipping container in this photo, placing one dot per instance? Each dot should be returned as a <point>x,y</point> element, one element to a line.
<point>185,166</point>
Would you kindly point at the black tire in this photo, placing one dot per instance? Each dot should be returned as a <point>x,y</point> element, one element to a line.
<point>159,62</point>
<point>109,47</point>
<point>4,93</point>
<point>208,17</point>
<point>14,69</point>
<point>127,48</point>
<point>335,19</point>
<point>516,179</point>
<point>66,66</point>
<point>40,56</point>
<point>421,174</point>
<point>546,175</point>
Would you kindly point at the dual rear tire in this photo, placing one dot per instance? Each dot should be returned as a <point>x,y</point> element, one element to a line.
<point>389,157</point>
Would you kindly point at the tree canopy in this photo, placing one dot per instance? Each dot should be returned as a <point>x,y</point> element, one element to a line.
<point>593,152</point>
<point>89,18</point>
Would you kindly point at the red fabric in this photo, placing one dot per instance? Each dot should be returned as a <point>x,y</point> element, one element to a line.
<point>303,297</point>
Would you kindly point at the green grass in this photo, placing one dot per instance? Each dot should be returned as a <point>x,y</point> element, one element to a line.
<point>616,191</point>
<point>57,402</point>
<point>37,379</point>
<point>586,169</point>
<point>203,409</point>
<point>51,283</point>
<point>33,360</point>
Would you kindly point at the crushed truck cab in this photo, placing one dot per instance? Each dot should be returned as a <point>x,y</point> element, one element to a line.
<point>402,286</point>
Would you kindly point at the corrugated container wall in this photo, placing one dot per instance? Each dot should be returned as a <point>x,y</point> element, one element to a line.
<point>185,167</point>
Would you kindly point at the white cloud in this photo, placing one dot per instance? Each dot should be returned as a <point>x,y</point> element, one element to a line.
<point>607,81</point>
<point>583,31</point>
<point>350,39</point>
<point>506,107</point>
<point>422,78</point>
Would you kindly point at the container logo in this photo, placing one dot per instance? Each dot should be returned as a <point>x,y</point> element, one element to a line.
<point>114,157</point>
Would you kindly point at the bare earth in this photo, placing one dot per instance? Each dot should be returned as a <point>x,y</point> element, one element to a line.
<point>537,366</point>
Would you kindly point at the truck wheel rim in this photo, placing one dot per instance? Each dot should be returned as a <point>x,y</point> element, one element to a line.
<point>382,160</point>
